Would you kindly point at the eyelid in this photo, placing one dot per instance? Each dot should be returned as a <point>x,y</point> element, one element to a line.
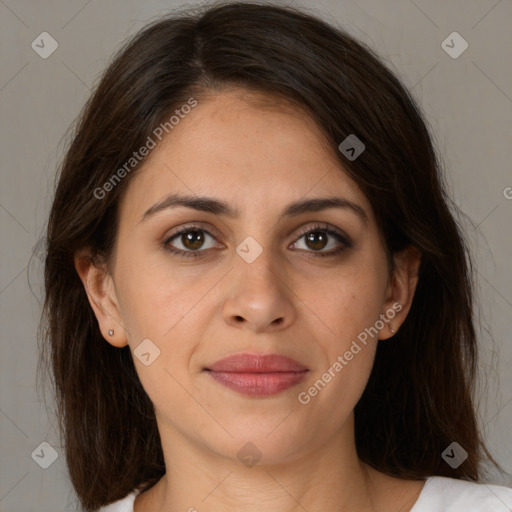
<point>200,226</point>
<point>321,226</point>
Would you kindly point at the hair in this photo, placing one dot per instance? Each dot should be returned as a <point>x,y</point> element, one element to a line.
<point>419,398</point>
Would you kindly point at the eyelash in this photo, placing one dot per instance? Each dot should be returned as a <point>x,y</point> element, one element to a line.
<point>339,235</point>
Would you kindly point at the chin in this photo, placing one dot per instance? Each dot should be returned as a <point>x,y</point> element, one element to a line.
<point>262,443</point>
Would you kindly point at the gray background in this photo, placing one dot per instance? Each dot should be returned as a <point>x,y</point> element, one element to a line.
<point>467,101</point>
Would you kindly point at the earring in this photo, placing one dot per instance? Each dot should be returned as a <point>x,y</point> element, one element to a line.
<point>111,332</point>
<point>391,329</point>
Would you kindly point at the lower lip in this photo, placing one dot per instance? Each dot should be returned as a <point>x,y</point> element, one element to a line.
<point>259,384</point>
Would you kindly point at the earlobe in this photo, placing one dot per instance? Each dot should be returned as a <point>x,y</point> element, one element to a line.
<point>401,290</point>
<point>99,287</point>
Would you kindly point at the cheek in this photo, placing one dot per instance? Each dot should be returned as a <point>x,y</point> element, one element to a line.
<point>346,358</point>
<point>155,297</point>
<point>344,303</point>
<point>171,310</point>
<point>347,385</point>
<point>344,310</point>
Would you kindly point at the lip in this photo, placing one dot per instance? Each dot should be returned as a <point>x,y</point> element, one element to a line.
<point>257,374</point>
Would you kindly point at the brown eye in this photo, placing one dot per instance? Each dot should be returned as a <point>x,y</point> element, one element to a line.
<point>189,241</point>
<point>319,237</point>
<point>192,239</point>
<point>316,240</point>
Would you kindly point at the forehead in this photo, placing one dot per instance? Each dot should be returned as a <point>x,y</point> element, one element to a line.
<point>242,147</point>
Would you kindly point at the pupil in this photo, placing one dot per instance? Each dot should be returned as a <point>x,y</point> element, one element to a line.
<point>317,239</point>
<point>193,239</point>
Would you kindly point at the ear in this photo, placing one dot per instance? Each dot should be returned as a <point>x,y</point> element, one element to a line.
<point>99,286</point>
<point>400,290</point>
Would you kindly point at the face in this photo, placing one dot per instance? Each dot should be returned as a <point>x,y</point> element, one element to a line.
<point>202,284</point>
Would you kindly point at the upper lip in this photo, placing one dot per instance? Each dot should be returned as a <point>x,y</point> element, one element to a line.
<point>256,363</point>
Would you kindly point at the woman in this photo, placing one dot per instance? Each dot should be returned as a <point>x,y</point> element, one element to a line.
<point>257,297</point>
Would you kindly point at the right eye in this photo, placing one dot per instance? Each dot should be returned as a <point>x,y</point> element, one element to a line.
<point>192,239</point>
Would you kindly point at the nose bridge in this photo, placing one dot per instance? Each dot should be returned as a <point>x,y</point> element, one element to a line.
<point>256,264</point>
<point>258,293</point>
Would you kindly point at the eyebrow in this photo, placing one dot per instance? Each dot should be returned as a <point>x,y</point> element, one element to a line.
<point>217,207</point>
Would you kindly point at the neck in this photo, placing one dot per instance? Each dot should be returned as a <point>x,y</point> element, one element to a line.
<point>330,477</point>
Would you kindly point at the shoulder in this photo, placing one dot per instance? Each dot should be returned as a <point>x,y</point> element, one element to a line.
<point>123,505</point>
<point>452,495</point>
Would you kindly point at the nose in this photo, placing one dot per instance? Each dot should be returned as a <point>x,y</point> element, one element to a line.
<point>258,297</point>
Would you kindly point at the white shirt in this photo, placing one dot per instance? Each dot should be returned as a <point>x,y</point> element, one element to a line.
<point>439,494</point>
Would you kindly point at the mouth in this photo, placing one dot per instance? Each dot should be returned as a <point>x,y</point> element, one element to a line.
<point>257,374</point>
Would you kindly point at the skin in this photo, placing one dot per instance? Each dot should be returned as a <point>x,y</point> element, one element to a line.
<point>289,301</point>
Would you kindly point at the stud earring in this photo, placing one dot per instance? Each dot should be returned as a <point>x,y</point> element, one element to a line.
<point>111,332</point>
<point>391,329</point>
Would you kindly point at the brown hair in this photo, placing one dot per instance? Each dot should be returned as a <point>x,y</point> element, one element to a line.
<point>419,396</point>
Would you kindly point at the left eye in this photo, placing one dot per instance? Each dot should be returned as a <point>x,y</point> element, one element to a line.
<point>318,239</point>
